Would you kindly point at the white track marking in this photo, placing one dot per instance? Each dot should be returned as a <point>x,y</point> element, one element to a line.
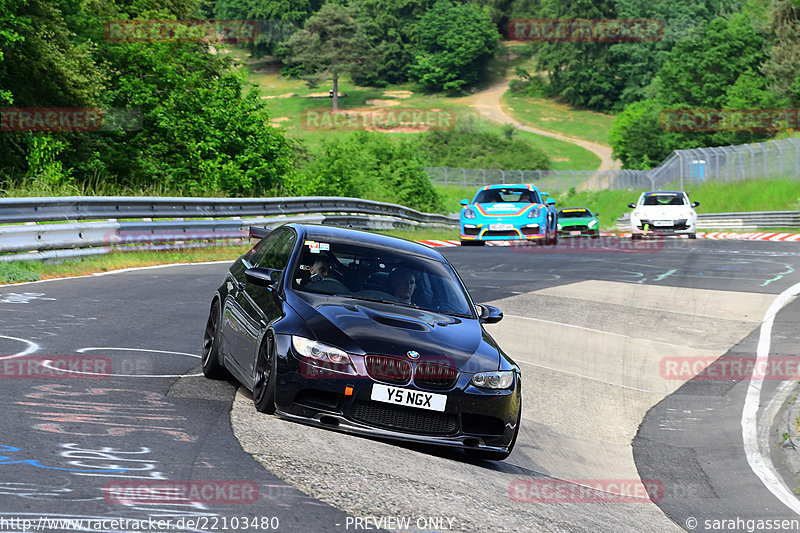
<point>594,330</point>
<point>83,350</point>
<point>589,378</point>
<point>32,347</point>
<point>760,463</point>
<point>120,271</point>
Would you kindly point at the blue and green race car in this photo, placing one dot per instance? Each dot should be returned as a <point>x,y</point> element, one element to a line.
<point>507,213</point>
<point>578,221</point>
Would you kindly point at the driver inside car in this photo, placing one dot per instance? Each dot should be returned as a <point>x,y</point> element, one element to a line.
<point>403,284</point>
<point>321,269</point>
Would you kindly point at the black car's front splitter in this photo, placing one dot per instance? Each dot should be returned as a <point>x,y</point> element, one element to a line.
<point>340,423</point>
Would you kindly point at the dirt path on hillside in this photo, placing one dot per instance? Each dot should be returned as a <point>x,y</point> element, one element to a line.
<point>488,104</point>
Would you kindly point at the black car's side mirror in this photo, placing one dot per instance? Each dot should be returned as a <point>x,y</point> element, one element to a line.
<point>632,206</point>
<point>489,314</point>
<point>597,214</point>
<point>263,277</point>
<point>695,204</point>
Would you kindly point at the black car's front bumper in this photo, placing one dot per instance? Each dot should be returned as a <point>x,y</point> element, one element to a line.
<point>473,418</point>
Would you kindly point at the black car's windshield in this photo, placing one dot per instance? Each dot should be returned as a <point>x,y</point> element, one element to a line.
<point>364,273</point>
<point>516,195</point>
<point>574,213</point>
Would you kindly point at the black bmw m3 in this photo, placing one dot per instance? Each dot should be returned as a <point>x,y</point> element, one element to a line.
<point>364,333</point>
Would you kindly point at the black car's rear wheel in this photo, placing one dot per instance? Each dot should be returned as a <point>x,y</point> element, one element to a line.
<point>212,368</point>
<point>264,378</point>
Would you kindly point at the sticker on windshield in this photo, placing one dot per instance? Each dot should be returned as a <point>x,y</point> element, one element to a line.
<point>316,247</point>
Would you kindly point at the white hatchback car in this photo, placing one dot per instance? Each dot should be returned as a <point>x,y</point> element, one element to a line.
<point>663,213</point>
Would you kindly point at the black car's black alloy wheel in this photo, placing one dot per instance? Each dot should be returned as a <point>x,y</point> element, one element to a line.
<point>264,377</point>
<point>211,365</point>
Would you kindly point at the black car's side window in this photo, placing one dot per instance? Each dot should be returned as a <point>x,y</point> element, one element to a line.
<point>276,254</point>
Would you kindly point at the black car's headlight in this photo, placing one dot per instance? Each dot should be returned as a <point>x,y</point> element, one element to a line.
<point>502,379</point>
<point>320,352</point>
<point>469,213</point>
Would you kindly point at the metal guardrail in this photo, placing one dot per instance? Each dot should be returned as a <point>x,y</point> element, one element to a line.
<point>744,221</point>
<point>121,207</point>
<point>211,221</point>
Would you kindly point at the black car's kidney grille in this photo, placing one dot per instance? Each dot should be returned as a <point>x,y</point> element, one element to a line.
<point>405,418</point>
<point>435,376</point>
<point>390,369</point>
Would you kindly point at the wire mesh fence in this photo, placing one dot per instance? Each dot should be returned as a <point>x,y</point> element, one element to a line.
<point>682,168</point>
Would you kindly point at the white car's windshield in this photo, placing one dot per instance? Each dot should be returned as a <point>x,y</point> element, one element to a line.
<point>663,198</point>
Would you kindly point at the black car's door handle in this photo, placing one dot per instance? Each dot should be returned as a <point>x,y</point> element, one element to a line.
<point>241,285</point>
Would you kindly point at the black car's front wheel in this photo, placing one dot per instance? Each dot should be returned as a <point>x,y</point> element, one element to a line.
<point>212,368</point>
<point>264,378</point>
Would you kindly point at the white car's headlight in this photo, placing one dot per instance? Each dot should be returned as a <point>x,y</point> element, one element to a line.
<point>502,379</point>
<point>535,212</point>
<point>320,352</point>
<point>469,213</point>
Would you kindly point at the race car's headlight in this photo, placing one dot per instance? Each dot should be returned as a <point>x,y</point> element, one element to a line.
<point>493,380</point>
<point>535,212</point>
<point>593,223</point>
<point>558,226</point>
<point>320,352</point>
<point>469,213</point>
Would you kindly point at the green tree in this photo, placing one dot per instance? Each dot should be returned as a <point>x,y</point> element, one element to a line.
<point>371,166</point>
<point>716,67</point>
<point>277,19</point>
<point>391,29</point>
<point>636,136</point>
<point>470,147</point>
<point>332,43</point>
<point>783,65</point>
<point>454,45</point>
<point>585,74</point>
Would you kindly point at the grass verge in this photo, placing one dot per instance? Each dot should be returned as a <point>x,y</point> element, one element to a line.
<point>552,116</point>
<point>22,271</point>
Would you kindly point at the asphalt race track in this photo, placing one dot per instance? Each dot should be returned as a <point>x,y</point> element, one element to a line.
<point>619,431</point>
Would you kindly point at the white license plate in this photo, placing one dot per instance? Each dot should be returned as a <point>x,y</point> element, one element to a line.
<point>409,398</point>
<point>501,227</point>
<point>574,232</point>
<point>662,222</point>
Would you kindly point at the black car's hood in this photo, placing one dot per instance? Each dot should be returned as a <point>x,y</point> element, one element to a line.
<point>359,326</point>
